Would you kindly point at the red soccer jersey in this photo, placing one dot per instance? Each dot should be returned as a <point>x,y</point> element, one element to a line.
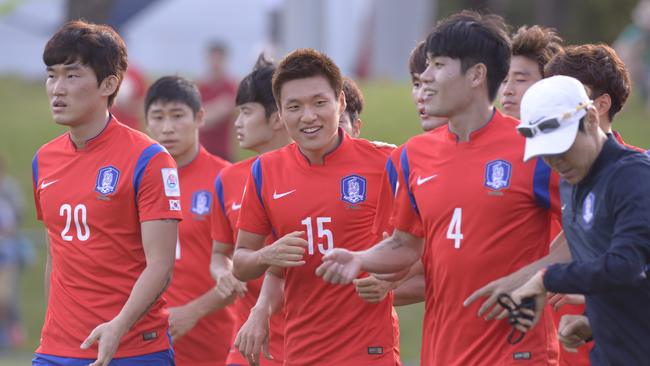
<point>92,202</point>
<point>483,214</point>
<point>334,204</point>
<point>207,344</point>
<point>229,189</point>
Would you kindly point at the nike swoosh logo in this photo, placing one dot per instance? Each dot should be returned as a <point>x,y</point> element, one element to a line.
<point>280,195</point>
<point>235,206</point>
<point>421,180</point>
<point>44,185</point>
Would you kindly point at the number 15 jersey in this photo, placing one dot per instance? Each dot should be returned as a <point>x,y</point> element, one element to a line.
<point>334,204</point>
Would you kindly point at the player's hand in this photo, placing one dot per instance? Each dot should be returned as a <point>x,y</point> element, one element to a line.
<point>573,331</point>
<point>559,300</point>
<point>288,251</point>
<point>181,320</point>
<point>490,308</point>
<point>533,288</point>
<point>227,285</point>
<point>371,289</point>
<point>253,337</point>
<point>340,266</point>
<point>108,336</point>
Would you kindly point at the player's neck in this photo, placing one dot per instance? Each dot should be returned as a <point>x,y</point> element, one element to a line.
<point>470,119</point>
<point>80,134</point>
<point>317,157</point>
<point>188,156</point>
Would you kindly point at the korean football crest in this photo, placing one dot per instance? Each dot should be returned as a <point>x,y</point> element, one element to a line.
<point>497,174</point>
<point>107,178</point>
<point>353,189</point>
<point>201,202</point>
<point>588,208</point>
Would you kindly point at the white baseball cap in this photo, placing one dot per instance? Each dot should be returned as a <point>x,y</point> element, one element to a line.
<point>551,110</point>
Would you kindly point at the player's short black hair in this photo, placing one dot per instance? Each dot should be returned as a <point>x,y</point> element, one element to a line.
<point>418,59</point>
<point>97,46</point>
<point>474,38</point>
<point>353,99</point>
<point>173,89</point>
<point>257,87</point>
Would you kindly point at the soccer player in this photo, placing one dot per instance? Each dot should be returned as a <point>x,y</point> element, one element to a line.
<point>465,193</point>
<point>350,120</point>
<point>606,220</point>
<point>312,196</point>
<point>259,129</point>
<point>110,201</point>
<point>200,333</point>
<point>532,48</point>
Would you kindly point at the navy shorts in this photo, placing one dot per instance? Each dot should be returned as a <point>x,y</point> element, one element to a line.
<point>162,358</point>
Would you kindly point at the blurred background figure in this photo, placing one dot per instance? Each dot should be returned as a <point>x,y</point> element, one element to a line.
<point>15,254</point>
<point>218,92</point>
<point>129,102</point>
<point>350,120</point>
<point>633,46</point>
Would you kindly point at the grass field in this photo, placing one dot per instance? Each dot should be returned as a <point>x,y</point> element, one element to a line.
<point>389,116</point>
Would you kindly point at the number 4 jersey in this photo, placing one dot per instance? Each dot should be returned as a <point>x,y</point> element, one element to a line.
<point>484,213</point>
<point>92,202</point>
<point>334,204</point>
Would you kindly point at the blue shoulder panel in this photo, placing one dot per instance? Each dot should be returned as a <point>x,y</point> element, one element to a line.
<point>142,163</point>
<point>541,182</point>
<point>218,187</point>
<point>404,161</point>
<point>257,177</point>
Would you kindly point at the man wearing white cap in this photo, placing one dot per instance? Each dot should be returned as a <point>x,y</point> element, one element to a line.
<point>606,218</point>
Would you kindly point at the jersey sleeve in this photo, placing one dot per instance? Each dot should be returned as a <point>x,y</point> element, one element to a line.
<point>156,185</point>
<point>37,201</point>
<point>546,189</point>
<point>253,216</point>
<point>406,216</point>
<point>387,191</point>
<point>221,230</point>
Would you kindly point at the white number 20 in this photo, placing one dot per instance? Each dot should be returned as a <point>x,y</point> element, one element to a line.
<point>322,233</point>
<point>453,232</point>
<point>79,214</point>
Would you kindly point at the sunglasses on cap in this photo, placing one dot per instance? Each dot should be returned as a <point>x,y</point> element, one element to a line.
<point>549,125</point>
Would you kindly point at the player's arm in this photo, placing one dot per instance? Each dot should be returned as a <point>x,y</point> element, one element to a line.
<point>396,253</point>
<point>411,289</point>
<point>252,258</point>
<point>407,290</point>
<point>159,243</point>
<point>218,109</point>
<point>221,268</point>
<point>253,336</point>
<point>559,253</point>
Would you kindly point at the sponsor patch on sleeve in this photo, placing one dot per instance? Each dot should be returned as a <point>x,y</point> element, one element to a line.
<point>171,183</point>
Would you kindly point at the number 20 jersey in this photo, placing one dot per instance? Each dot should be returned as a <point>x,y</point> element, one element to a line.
<point>484,213</point>
<point>92,202</point>
<point>334,204</point>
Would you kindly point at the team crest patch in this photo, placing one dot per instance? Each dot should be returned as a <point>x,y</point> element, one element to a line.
<point>201,202</point>
<point>497,174</point>
<point>170,181</point>
<point>588,208</point>
<point>353,189</point>
<point>107,178</point>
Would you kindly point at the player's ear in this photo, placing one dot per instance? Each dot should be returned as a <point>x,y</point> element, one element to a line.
<point>275,122</point>
<point>592,119</point>
<point>342,104</point>
<point>109,85</point>
<point>477,74</point>
<point>199,118</point>
<point>603,103</point>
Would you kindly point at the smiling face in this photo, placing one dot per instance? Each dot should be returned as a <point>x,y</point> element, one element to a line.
<point>311,112</point>
<point>523,73</point>
<point>74,95</point>
<point>175,126</point>
<point>421,97</point>
<point>445,88</point>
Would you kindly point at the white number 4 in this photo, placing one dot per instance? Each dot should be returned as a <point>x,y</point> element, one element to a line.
<point>453,232</point>
<point>322,232</point>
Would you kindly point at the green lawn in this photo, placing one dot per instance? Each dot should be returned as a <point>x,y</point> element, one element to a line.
<point>389,116</point>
